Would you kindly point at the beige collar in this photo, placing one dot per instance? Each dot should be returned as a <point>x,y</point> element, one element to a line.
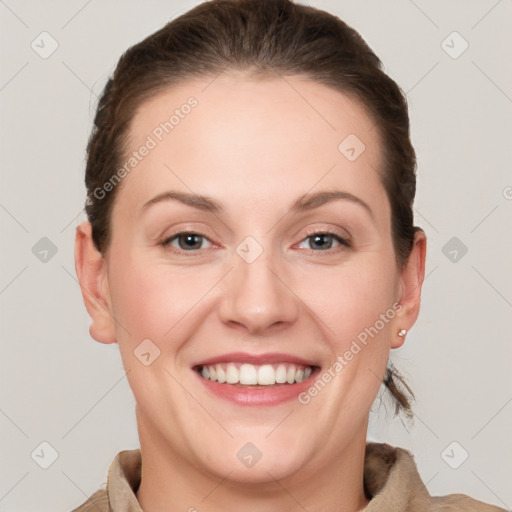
<point>391,479</point>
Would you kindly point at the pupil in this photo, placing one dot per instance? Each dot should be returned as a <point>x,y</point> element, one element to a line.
<point>320,241</point>
<point>190,241</point>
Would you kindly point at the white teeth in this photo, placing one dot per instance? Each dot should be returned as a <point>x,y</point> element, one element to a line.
<point>221,374</point>
<point>250,375</point>
<point>281,374</point>
<point>266,375</point>
<point>232,374</point>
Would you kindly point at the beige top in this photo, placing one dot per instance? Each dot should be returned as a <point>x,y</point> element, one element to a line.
<point>391,480</point>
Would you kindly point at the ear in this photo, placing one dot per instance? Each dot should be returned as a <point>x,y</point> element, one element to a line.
<point>91,270</point>
<point>411,281</point>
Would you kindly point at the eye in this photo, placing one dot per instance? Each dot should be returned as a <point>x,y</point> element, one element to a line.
<point>323,241</point>
<point>186,241</point>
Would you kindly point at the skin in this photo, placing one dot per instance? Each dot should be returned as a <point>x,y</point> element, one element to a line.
<point>254,146</point>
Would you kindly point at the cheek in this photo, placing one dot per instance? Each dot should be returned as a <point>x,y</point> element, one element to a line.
<point>151,299</point>
<point>351,299</point>
<point>357,303</point>
<point>138,298</point>
<point>151,302</point>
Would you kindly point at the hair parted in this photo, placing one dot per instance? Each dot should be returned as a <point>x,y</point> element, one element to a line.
<point>260,38</point>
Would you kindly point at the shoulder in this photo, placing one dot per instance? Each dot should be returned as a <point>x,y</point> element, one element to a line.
<point>98,502</point>
<point>392,481</point>
<point>454,502</point>
<point>123,478</point>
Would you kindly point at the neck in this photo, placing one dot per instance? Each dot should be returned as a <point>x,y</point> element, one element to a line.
<point>169,482</point>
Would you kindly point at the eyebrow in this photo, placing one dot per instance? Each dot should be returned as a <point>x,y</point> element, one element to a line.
<point>304,203</point>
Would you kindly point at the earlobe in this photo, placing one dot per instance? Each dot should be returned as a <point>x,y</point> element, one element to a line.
<point>91,271</point>
<point>399,339</point>
<point>411,281</point>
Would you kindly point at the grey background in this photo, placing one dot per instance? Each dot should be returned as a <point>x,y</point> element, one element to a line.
<point>60,386</point>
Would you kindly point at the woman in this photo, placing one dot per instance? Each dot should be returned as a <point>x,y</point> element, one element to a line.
<point>251,249</point>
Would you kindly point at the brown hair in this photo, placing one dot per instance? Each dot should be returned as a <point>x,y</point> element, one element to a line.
<point>259,37</point>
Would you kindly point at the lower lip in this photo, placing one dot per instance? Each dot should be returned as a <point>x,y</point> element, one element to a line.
<point>260,396</point>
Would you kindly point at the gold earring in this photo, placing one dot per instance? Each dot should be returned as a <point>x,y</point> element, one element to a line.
<point>402,332</point>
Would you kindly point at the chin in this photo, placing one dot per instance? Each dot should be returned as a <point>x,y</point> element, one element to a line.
<point>252,459</point>
<point>276,466</point>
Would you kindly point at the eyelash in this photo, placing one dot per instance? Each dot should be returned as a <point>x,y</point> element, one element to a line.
<point>344,243</point>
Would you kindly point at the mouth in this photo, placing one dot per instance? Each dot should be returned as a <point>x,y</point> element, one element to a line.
<point>251,375</point>
<point>256,380</point>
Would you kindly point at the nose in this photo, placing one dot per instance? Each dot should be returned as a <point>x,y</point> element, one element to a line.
<point>256,296</point>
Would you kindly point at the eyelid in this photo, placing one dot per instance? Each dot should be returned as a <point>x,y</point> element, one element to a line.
<point>330,229</point>
<point>344,241</point>
<point>185,228</point>
<point>168,239</point>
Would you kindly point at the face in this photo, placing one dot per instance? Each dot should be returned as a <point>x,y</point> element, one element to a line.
<point>251,243</point>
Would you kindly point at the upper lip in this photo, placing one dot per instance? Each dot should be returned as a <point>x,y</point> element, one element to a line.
<point>255,359</point>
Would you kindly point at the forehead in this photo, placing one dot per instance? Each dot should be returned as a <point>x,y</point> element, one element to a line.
<point>243,136</point>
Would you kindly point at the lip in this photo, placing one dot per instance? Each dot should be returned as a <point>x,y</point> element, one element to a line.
<point>256,359</point>
<point>262,396</point>
<point>257,396</point>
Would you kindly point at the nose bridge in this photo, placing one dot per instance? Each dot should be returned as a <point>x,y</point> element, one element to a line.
<point>255,296</point>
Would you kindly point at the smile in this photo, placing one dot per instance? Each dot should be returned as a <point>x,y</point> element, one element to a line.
<point>260,380</point>
<point>245,374</point>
